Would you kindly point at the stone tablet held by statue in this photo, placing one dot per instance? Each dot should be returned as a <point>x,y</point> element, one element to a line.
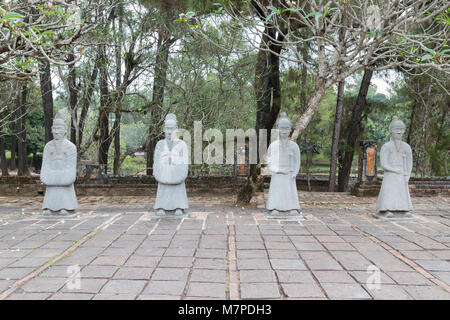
<point>58,173</point>
<point>283,160</point>
<point>170,169</point>
<point>394,200</point>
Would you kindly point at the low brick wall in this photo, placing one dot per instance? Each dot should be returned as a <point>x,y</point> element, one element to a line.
<point>116,186</point>
<point>417,187</point>
<point>143,186</point>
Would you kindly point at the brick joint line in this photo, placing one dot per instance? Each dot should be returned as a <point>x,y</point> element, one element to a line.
<point>232,264</point>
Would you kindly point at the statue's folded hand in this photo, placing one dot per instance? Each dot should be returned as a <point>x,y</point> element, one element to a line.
<point>393,170</point>
<point>57,178</point>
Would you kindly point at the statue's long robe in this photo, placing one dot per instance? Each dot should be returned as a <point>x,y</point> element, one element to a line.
<point>283,194</point>
<point>394,192</point>
<point>170,169</point>
<point>58,173</point>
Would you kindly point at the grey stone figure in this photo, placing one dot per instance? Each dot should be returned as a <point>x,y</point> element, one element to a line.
<point>396,160</point>
<point>283,159</point>
<point>170,169</point>
<point>58,172</point>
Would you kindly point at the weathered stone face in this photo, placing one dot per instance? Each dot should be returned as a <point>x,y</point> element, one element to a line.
<point>396,129</point>
<point>397,132</point>
<point>170,130</point>
<point>59,129</point>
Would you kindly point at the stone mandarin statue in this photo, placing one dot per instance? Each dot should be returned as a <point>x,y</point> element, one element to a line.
<point>283,159</point>
<point>58,172</point>
<point>170,169</point>
<point>396,160</point>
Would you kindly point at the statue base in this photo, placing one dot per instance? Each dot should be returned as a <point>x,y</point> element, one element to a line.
<point>169,214</point>
<point>49,214</point>
<point>394,216</point>
<point>284,215</point>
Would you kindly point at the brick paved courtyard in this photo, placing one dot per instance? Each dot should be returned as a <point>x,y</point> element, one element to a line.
<point>222,252</point>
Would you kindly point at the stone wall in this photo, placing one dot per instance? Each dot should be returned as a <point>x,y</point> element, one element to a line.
<point>143,185</point>
<point>115,186</point>
<point>417,187</point>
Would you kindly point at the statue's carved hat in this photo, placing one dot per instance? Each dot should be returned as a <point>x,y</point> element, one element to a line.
<point>60,120</point>
<point>283,119</point>
<point>396,122</point>
<point>171,117</point>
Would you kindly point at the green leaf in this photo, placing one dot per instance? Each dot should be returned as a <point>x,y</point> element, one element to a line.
<point>270,16</point>
<point>313,14</point>
<point>445,51</point>
<point>372,33</point>
<point>13,16</point>
<point>290,10</point>
<point>443,18</point>
<point>426,57</point>
<point>219,9</point>
<point>256,22</point>
<point>190,14</point>
<point>35,29</point>
<point>429,50</point>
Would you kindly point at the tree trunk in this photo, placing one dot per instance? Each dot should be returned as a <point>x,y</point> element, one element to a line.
<point>103,120</point>
<point>304,79</point>
<point>47,98</point>
<point>313,103</point>
<point>422,144</point>
<point>442,125</point>
<point>339,108</point>
<point>87,102</point>
<point>411,122</point>
<point>159,85</point>
<point>267,86</point>
<point>303,105</point>
<point>437,166</point>
<point>321,86</point>
<point>14,137</point>
<point>336,136</point>
<point>116,127</point>
<point>22,145</point>
<point>3,163</point>
<point>73,100</point>
<point>309,156</point>
<point>353,132</point>
<point>116,130</point>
